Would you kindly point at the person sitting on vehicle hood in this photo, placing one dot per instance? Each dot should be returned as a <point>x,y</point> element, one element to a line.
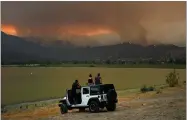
<point>90,80</point>
<point>75,86</point>
<point>98,79</point>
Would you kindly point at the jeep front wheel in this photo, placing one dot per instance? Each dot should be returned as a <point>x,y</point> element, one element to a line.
<point>63,109</point>
<point>111,106</point>
<point>94,106</point>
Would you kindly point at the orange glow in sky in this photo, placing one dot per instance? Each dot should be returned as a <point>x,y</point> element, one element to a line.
<point>88,32</point>
<point>98,32</point>
<point>78,30</point>
<point>9,29</point>
<point>85,30</point>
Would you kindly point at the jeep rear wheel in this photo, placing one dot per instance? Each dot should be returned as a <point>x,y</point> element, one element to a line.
<point>94,106</point>
<point>111,107</point>
<point>63,108</point>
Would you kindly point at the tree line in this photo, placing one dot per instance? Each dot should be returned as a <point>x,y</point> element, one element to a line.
<point>108,61</point>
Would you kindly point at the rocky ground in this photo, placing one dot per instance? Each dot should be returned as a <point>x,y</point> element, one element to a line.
<point>168,105</point>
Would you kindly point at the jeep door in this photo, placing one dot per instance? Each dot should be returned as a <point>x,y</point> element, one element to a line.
<point>85,95</point>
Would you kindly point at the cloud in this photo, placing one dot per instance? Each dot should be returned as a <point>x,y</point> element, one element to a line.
<point>139,22</point>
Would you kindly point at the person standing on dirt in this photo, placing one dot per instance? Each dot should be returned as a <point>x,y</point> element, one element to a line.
<point>90,80</point>
<point>98,79</point>
<point>75,86</point>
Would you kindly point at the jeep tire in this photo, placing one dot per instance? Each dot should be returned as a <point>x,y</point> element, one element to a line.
<point>111,106</point>
<point>111,96</point>
<point>63,108</point>
<point>94,107</point>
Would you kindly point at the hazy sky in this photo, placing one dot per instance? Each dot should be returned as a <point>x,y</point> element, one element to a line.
<point>97,22</point>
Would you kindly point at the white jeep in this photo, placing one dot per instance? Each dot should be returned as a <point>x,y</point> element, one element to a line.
<point>92,97</point>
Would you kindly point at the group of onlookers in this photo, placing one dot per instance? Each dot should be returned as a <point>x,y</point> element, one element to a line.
<point>97,81</point>
<point>76,84</point>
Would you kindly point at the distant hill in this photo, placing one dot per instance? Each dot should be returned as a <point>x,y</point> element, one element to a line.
<point>16,49</point>
<point>50,42</point>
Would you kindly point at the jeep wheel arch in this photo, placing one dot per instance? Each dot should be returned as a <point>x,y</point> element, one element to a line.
<point>93,99</point>
<point>63,101</point>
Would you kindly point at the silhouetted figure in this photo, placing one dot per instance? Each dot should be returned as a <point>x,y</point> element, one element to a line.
<point>75,86</point>
<point>98,79</point>
<point>90,80</point>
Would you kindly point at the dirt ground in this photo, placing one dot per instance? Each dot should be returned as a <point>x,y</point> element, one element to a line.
<point>168,105</point>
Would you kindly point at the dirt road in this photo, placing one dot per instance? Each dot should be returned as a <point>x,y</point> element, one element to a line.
<point>169,105</point>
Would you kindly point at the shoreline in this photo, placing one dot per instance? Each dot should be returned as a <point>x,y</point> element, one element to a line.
<point>159,66</point>
<point>29,105</point>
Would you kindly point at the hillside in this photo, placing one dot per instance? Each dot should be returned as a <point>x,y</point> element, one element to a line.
<point>16,49</point>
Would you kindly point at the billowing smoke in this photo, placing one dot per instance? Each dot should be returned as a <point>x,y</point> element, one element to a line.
<point>99,22</point>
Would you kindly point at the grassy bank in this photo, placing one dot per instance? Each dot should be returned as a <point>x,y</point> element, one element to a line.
<point>54,102</point>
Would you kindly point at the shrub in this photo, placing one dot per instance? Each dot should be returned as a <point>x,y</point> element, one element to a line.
<point>144,89</point>
<point>172,79</point>
<point>147,89</point>
<point>3,109</point>
<point>151,88</point>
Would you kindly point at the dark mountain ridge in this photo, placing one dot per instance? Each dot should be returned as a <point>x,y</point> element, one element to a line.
<point>16,49</point>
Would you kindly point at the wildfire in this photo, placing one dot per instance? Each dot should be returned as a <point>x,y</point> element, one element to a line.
<point>85,31</point>
<point>98,32</point>
<point>9,29</point>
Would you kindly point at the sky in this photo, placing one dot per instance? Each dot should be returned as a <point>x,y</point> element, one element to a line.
<point>97,23</point>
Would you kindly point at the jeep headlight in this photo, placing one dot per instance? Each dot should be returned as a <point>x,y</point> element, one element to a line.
<point>64,98</point>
